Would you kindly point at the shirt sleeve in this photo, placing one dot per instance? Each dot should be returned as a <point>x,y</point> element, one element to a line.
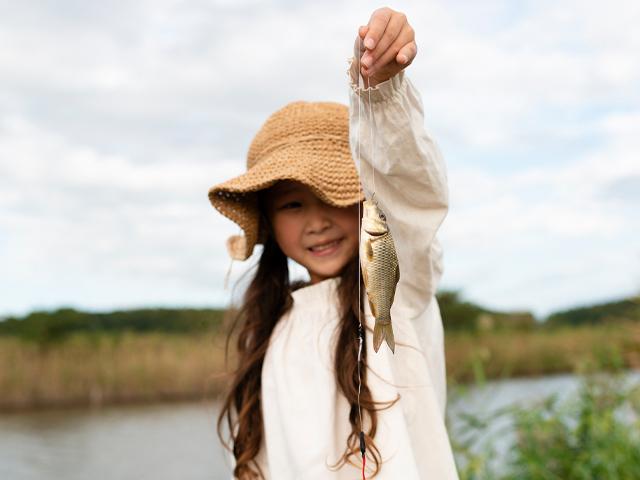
<point>398,159</point>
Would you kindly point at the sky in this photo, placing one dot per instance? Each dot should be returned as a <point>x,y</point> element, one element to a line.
<point>116,118</point>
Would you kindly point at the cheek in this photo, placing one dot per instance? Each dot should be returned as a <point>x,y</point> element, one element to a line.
<point>350,224</point>
<point>285,232</point>
<point>350,221</point>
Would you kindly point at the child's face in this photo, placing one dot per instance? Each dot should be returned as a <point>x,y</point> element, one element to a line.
<point>300,221</point>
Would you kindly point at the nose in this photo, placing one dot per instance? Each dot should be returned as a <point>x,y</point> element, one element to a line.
<point>319,218</point>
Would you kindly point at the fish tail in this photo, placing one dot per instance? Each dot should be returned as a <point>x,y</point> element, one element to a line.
<point>383,332</point>
<point>388,335</point>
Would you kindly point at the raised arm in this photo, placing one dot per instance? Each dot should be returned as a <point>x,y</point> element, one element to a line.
<point>387,134</point>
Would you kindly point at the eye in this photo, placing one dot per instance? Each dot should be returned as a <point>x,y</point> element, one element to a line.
<point>290,205</point>
<point>383,217</point>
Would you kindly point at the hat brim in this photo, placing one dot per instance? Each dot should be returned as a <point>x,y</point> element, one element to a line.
<point>304,162</point>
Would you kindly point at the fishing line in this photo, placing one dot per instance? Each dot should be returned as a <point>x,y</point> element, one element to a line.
<point>363,446</point>
<point>372,139</point>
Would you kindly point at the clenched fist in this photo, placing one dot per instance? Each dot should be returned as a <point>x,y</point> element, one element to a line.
<point>385,46</point>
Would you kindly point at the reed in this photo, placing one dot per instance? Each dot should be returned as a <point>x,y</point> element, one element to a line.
<point>98,369</point>
<point>514,353</point>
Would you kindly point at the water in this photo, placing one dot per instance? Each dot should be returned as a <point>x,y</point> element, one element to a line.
<point>141,442</point>
<point>176,441</point>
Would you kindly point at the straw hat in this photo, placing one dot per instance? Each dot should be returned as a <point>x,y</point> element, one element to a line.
<point>304,141</point>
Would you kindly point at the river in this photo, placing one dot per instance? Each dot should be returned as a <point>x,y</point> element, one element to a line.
<point>175,441</point>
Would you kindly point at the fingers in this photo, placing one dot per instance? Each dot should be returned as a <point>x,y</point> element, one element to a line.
<point>403,47</point>
<point>391,32</point>
<point>377,25</point>
<point>359,47</point>
<point>407,54</point>
<point>386,45</point>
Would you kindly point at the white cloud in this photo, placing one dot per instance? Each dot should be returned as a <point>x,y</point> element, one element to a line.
<point>568,55</point>
<point>70,212</point>
<point>115,118</point>
<point>562,224</point>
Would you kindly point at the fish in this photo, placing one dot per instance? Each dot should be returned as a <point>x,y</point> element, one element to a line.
<point>380,270</point>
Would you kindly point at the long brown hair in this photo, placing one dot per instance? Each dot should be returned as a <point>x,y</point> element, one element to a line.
<point>266,299</point>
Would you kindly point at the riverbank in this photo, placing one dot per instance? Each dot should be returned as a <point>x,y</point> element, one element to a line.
<point>542,351</point>
<point>99,369</point>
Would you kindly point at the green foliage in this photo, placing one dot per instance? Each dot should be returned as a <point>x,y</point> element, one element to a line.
<point>50,327</point>
<point>593,435</point>
<point>471,431</point>
<point>458,314</point>
<point>590,437</point>
<point>622,310</point>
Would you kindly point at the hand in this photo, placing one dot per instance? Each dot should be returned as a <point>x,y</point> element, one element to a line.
<point>385,46</point>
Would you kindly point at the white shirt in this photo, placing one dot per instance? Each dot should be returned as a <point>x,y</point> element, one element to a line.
<point>305,416</point>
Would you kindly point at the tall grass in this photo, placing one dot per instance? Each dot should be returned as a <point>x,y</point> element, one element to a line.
<point>514,353</point>
<point>96,369</point>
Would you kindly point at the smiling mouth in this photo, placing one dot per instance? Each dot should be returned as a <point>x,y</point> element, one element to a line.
<point>325,246</point>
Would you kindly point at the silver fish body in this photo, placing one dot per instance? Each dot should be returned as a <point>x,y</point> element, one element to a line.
<point>380,271</point>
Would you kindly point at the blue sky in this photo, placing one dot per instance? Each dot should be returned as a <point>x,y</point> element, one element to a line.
<point>116,118</point>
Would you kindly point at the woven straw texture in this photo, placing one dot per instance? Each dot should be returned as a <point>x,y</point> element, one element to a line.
<point>304,141</point>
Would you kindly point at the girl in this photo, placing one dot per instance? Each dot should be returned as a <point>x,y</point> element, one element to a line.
<point>295,407</point>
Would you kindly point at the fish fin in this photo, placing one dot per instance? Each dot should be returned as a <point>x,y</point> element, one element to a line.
<point>388,335</point>
<point>369,249</point>
<point>378,336</point>
<point>395,286</point>
<point>383,332</point>
<point>372,306</point>
<point>365,278</point>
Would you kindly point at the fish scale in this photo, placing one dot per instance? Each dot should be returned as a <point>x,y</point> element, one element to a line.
<point>380,271</point>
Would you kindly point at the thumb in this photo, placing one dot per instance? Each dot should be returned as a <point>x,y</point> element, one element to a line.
<point>362,31</point>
